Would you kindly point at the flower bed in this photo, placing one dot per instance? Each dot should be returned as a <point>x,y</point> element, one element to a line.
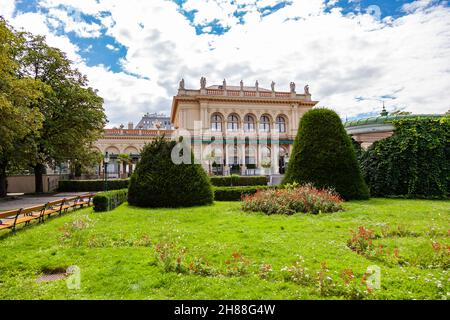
<point>293,199</point>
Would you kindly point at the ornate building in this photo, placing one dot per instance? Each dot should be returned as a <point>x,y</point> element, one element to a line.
<point>241,129</point>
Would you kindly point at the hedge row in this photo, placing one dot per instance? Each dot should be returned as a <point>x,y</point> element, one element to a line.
<point>91,185</point>
<point>236,180</point>
<point>106,201</point>
<point>235,193</point>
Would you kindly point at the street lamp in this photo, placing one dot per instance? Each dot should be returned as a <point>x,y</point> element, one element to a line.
<point>105,162</point>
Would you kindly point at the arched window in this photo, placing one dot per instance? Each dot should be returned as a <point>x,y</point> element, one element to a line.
<point>233,122</point>
<point>249,123</point>
<point>281,124</point>
<point>264,124</point>
<point>216,122</point>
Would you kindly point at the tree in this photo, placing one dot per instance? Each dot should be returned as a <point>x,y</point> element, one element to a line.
<point>323,154</point>
<point>158,182</point>
<point>414,162</point>
<point>18,95</point>
<point>73,112</point>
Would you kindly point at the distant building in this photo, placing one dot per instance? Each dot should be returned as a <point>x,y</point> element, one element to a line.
<point>369,130</point>
<point>150,121</point>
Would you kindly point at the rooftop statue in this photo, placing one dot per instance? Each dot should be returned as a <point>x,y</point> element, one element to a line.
<point>307,89</point>
<point>224,84</point>
<point>257,85</point>
<point>292,87</point>
<point>273,86</point>
<point>203,83</point>
<point>242,85</point>
<point>182,84</point>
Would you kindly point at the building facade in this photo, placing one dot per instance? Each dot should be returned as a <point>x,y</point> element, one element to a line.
<point>240,129</point>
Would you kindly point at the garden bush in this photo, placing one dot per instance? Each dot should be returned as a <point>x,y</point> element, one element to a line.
<point>414,162</point>
<point>235,193</point>
<point>159,182</point>
<point>91,185</point>
<point>235,180</point>
<point>106,201</point>
<point>293,199</point>
<point>323,155</point>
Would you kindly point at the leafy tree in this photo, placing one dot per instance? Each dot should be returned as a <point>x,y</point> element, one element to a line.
<point>18,96</point>
<point>73,112</point>
<point>158,182</point>
<point>323,155</point>
<point>415,161</point>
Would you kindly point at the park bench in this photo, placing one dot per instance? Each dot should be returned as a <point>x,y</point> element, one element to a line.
<point>10,219</point>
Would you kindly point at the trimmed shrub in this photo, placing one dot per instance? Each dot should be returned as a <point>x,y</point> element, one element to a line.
<point>323,155</point>
<point>235,193</point>
<point>235,181</point>
<point>293,199</point>
<point>91,185</point>
<point>158,182</point>
<point>106,201</point>
<point>413,163</point>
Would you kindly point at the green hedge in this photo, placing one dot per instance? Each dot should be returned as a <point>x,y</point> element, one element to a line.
<point>235,193</point>
<point>236,181</point>
<point>106,201</point>
<point>91,185</point>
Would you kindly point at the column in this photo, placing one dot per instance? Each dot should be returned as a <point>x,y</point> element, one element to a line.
<point>275,158</point>
<point>244,167</point>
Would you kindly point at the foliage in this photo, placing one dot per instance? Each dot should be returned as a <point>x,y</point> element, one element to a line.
<point>414,162</point>
<point>18,95</point>
<point>106,201</point>
<point>235,193</point>
<point>323,155</point>
<point>235,180</point>
<point>306,199</point>
<point>73,112</point>
<point>158,182</point>
<point>91,185</point>
<point>120,244</point>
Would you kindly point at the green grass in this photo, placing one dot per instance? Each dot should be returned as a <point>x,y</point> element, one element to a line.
<point>115,252</point>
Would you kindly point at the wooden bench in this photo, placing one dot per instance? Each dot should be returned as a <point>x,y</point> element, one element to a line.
<point>10,219</point>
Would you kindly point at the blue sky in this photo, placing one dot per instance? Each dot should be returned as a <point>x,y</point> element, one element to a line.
<point>354,54</point>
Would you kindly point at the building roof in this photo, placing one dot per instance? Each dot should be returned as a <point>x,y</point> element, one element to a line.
<point>387,119</point>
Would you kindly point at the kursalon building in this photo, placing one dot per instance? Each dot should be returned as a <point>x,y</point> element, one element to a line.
<point>240,129</point>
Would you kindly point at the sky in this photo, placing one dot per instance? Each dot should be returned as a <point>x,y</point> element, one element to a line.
<point>354,54</point>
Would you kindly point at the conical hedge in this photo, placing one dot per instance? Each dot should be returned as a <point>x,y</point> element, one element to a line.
<point>158,182</point>
<point>323,154</point>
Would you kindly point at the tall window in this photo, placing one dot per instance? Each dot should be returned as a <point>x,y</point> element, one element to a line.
<point>264,124</point>
<point>281,124</point>
<point>233,122</point>
<point>249,123</point>
<point>216,123</point>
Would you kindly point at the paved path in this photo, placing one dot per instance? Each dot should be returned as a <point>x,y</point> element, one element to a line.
<point>34,200</point>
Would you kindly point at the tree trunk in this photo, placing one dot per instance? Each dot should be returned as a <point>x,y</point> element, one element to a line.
<point>3,182</point>
<point>39,170</point>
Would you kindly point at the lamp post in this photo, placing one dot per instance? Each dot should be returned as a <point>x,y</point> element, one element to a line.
<point>105,163</point>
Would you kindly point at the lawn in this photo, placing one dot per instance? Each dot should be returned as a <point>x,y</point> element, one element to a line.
<point>220,252</point>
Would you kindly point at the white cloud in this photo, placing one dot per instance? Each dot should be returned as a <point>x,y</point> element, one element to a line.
<point>340,57</point>
<point>111,47</point>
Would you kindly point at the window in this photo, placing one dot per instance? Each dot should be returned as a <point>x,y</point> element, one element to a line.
<point>216,123</point>
<point>249,123</point>
<point>281,124</point>
<point>264,125</point>
<point>233,122</point>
